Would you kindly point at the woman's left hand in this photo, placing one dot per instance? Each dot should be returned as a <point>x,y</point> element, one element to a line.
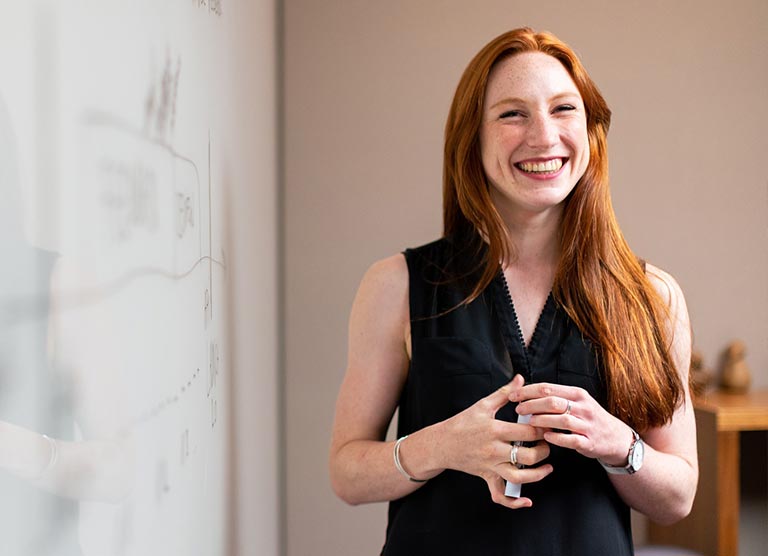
<point>594,432</point>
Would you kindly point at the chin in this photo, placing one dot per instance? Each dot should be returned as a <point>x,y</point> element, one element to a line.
<point>545,202</point>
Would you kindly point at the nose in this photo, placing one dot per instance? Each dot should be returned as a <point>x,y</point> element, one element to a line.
<point>542,132</point>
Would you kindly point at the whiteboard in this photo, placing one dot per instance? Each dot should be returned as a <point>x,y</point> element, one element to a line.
<point>113,337</point>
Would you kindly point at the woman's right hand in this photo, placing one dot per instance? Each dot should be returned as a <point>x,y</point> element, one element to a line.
<point>475,442</point>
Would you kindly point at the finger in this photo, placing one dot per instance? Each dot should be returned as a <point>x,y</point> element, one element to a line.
<point>496,486</point>
<point>500,451</point>
<point>511,432</point>
<point>577,442</point>
<point>543,390</point>
<point>500,397</point>
<point>534,454</point>
<point>526,475</point>
<point>560,421</point>
<point>555,405</point>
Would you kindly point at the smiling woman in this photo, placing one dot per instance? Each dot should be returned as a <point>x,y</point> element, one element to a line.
<point>532,297</point>
<point>533,136</point>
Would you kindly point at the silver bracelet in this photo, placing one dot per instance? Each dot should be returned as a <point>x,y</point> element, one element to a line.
<point>51,460</point>
<point>400,465</point>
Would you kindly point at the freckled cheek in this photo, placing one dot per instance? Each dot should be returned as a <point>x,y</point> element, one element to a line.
<point>585,147</point>
<point>498,149</point>
<point>580,144</point>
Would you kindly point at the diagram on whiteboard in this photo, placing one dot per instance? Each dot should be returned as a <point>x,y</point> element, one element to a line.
<point>127,323</point>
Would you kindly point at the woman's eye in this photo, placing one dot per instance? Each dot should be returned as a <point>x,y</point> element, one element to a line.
<point>565,108</point>
<point>510,114</point>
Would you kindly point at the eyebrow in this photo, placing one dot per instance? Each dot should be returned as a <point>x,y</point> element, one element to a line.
<point>512,100</point>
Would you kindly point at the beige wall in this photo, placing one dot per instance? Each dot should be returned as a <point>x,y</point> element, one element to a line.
<point>367,88</point>
<point>252,217</point>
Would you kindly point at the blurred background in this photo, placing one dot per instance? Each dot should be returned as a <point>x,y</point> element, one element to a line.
<point>193,189</point>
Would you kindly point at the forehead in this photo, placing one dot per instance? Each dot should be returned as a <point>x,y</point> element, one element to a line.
<point>528,76</point>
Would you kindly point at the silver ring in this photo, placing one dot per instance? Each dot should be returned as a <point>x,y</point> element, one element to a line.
<point>568,408</point>
<point>513,453</point>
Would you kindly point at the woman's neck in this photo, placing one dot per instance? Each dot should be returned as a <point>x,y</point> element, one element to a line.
<point>535,239</point>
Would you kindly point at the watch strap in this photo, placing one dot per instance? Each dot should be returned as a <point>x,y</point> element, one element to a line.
<point>629,468</point>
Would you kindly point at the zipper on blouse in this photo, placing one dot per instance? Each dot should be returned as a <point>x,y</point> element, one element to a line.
<point>517,324</point>
<point>521,339</point>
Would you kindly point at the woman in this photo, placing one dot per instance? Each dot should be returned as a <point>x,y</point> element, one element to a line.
<point>532,304</point>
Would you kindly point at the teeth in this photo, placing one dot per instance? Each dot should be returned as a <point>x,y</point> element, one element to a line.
<point>549,166</point>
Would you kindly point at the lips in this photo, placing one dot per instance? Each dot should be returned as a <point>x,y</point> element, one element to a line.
<point>548,166</point>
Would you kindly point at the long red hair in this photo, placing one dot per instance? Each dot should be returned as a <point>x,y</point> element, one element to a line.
<point>599,282</point>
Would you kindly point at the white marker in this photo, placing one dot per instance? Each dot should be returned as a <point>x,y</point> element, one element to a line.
<point>513,489</point>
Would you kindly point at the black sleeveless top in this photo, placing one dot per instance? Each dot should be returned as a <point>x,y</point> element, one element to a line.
<point>462,355</point>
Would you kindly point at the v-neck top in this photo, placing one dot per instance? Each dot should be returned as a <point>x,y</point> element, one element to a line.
<point>460,354</point>
<point>526,355</point>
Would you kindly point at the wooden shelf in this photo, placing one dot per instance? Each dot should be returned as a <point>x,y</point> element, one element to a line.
<point>736,412</point>
<point>713,526</point>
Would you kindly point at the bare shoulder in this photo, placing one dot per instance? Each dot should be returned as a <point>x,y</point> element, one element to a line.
<point>381,309</point>
<point>667,288</point>
<point>387,276</point>
<point>679,323</point>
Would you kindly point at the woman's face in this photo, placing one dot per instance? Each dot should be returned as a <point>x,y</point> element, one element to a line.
<point>533,137</point>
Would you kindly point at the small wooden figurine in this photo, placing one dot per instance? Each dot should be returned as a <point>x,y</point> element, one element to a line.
<point>735,377</point>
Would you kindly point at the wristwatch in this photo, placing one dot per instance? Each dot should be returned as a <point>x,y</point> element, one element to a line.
<point>634,459</point>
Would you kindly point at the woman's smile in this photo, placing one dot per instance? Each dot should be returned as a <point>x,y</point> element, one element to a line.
<point>542,168</point>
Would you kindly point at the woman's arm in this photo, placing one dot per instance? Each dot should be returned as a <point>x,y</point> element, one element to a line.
<point>362,466</point>
<point>84,470</point>
<point>664,488</point>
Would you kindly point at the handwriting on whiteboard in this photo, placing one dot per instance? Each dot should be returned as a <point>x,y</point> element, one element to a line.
<point>213,6</point>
